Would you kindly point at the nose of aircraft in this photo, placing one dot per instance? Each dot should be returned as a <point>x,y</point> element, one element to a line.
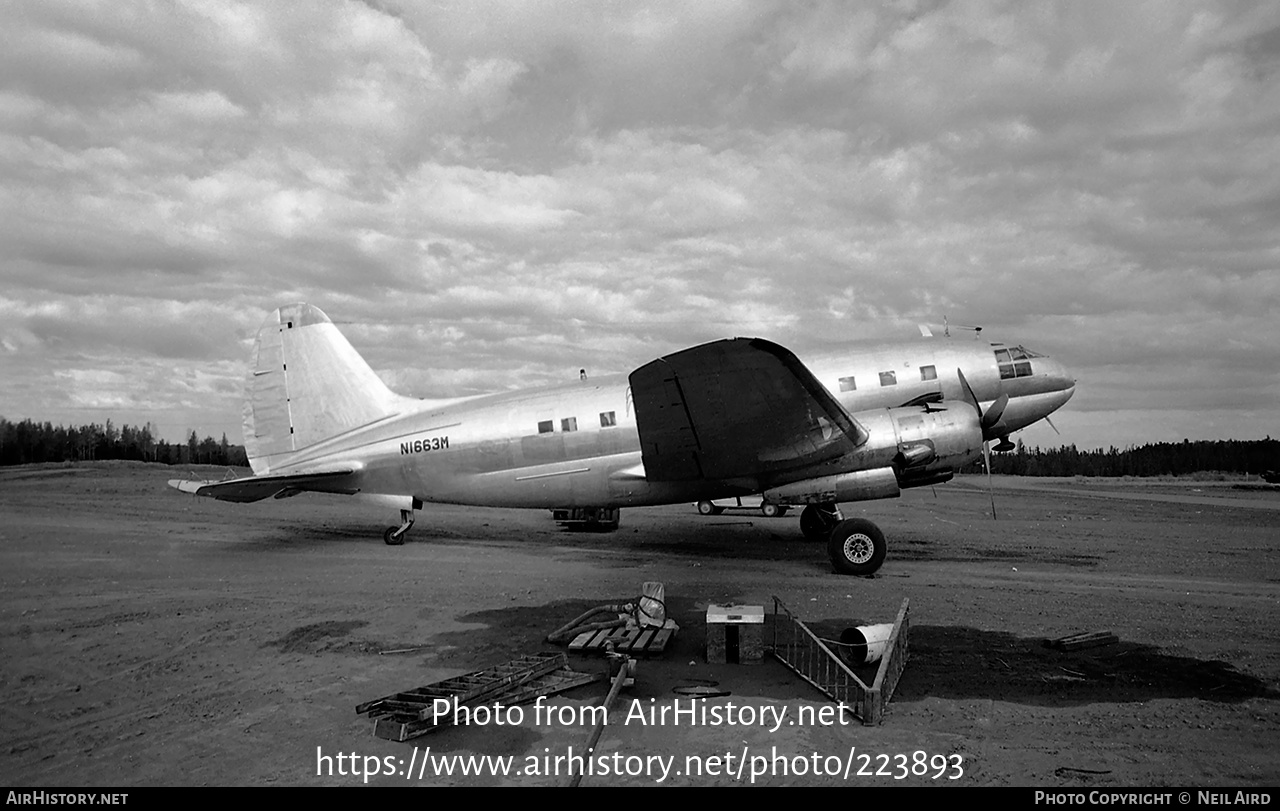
<point>1057,378</point>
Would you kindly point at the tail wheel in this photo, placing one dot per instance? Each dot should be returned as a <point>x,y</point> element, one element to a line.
<point>391,538</point>
<point>857,547</point>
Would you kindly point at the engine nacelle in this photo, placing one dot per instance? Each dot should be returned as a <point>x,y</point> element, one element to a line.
<point>906,447</point>
<point>924,444</point>
<point>859,485</point>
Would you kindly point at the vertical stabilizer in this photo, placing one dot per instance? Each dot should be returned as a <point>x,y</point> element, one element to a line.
<point>306,384</point>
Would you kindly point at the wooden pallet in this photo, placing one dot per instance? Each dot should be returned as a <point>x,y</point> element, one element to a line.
<point>1094,639</point>
<point>646,642</point>
<point>401,716</point>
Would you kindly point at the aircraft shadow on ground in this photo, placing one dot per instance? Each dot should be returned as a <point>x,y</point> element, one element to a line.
<point>950,662</point>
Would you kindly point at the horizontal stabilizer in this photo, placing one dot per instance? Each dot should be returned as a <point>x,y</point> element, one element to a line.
<point>256,488</point>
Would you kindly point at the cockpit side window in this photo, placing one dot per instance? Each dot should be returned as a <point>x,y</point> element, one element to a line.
<point>1006,364</point>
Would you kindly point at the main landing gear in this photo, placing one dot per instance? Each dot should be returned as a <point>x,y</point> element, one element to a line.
<point>856,546</point>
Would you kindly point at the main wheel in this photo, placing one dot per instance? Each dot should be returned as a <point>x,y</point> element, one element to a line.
<point>707,508</point>
<point>390,537</point>
<point>857,547</point>
<point>817,521</point>
<point>770,510</point>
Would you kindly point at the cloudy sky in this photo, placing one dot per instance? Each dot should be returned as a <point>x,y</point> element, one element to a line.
<point>492,195</point>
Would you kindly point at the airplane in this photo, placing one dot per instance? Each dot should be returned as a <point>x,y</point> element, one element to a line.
<point>732,417</point>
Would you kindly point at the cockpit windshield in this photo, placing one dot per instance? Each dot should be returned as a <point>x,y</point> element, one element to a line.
<point>1015,362</point>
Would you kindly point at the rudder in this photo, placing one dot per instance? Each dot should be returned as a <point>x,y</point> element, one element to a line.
<point>307,384</point>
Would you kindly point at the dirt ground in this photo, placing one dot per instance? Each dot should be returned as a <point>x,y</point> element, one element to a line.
<point>151,638</point>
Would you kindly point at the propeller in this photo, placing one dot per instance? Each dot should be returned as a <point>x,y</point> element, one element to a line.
<point>991,427</point>
<point>1051,425</point>
<point>989,419</point>
<point>991,492</point>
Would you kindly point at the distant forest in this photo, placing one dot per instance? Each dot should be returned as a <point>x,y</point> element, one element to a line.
<point>1160,459</point>
<point>27,441</point>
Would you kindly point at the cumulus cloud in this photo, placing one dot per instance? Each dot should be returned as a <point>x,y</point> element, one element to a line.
<point>495,197</point>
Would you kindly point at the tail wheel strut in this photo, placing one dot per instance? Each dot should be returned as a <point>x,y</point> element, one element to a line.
<point>394,536</point>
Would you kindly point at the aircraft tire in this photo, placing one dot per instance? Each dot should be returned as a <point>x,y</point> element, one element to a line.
<point>818,520</point>
<point>389,537</point>
<point>857,547</point>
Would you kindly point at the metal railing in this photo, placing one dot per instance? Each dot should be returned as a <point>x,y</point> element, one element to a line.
<point>811,659</point>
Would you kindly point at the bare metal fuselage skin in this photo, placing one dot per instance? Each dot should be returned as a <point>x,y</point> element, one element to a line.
<point>578,445</point>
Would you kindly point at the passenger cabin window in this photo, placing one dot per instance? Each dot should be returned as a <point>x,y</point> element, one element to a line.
<point>888,378</point>
<point>546,426</point>
<point>848,384</point>
<point>607,419</point>
<point>928,373</point>
<point>569,424</point>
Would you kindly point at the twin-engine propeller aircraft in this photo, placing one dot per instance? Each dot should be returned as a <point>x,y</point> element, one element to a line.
<point>728,418</point>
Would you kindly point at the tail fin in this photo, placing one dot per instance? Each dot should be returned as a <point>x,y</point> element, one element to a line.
<point>307,384</point>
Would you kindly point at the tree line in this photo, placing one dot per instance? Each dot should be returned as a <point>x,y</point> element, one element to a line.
<point>28,442</point>
<point>1157,459</point>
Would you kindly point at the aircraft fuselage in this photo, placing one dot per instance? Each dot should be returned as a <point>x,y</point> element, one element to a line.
<point>577,444</point>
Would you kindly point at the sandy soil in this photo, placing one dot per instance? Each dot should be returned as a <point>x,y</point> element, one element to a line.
<point>153,638</point>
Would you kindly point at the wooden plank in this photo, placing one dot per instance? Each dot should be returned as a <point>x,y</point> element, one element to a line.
<point>661,639</point>
<point>584,641</point>
<point>1083,640</point>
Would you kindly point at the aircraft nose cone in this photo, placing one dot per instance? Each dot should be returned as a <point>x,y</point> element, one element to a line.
<point>1059,379</point>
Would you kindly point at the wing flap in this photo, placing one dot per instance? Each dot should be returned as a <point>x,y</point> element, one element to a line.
<point>742,407</point>
<point>256,488</point>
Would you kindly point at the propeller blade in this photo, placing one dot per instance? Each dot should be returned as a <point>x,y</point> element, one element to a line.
<point>1051,425</point>
<point>986,460</point>
<point>995,412</point>
<point>966,392</point>
<point>991,426</point>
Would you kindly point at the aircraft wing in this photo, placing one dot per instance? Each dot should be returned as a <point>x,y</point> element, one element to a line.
<point>737,408</point>
<point>256,488</point>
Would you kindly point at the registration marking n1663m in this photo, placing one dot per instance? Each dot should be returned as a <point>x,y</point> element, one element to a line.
<point>435,443</point>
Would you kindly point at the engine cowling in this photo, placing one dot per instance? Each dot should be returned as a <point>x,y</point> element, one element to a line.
<point>924,444</point>
<point>906,447</point>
